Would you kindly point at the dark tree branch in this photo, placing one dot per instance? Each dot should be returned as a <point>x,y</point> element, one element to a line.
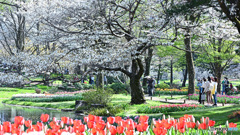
<point>115,69</point>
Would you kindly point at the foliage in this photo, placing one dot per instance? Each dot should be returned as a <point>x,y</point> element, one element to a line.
<point>163,86</point>
<point>106,111</point>
<point>53,90</point>
<point>118,88</point>
<point>99,96</point>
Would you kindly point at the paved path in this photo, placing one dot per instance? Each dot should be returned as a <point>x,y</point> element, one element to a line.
<point>179,101</point>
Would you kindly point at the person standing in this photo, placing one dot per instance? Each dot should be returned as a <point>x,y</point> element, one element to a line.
<point>207,90</point>
<point>200,90</point>
<point>223,86</point>
<point>226,85</point>
<point>214,91</point>
<point>151,84</point>
<point>203,96</point>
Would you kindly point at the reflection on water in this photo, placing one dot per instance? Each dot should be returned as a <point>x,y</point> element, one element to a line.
<point>8,113</point>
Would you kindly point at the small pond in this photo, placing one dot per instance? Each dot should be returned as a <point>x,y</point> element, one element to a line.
<point>8,113</point>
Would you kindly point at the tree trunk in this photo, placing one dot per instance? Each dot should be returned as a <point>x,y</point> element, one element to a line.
<point>190,64</point>
<point>99,81</point>
<point>219,76</point>
<point>171,73</point>
<point>184,77</point>
<point>137,95</point>
<point>148,65</point>
<point>158,76</point>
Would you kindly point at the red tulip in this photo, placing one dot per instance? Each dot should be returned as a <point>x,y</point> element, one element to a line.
<point>181,130</point>
<point>211,123</point>
<point>17,131</point>
<point>94,131</point>
<point>120,129</point>
<point>113,130</point>
<point>143,118</point>
<point>77,122</point>
<point>98,118</point>
<point>118,119</point>
<point>110,120</point>
<point>232,125</point>
<point>37,128</point>
<point>79,128</point>
<point>70,121</point>
<point>65,120</point>
<point>91,117</point>
<point>180,125</point>
<point>100,126</point>
<point>90,124</point>
<point>30,129</point>
<point>202,126</point>
<point>167,125</point>
<point>85,119</point>
<point>129,132</point>
<point>191,124</point>
<point>142,127</point>
<point>19,120</point>
<point>130,126</point>
<point>44,117</point>
<point>28,123</point>
<point>7,128</point>
<point>102,132</point>
<point>160,131</point>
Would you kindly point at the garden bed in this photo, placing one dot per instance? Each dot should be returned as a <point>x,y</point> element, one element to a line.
<point>116,125</point>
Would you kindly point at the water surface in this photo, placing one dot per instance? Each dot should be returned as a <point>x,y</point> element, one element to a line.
<point>8,113</point>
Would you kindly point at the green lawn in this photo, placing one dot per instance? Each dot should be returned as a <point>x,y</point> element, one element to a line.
<point>7,92</point>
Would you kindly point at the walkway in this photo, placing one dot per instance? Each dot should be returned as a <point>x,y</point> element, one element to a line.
<point>180,101</point>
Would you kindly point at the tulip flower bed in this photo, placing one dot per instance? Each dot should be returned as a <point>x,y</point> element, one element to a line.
<point>93,125</point>
<point>220,98</point>
<point>168,108</point>
<point>171,92</point>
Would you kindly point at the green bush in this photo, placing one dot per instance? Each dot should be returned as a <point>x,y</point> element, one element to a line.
<point>99,96</point>
<point>163,86</point>
<point>53,90</point>
<point>118,88</point>
<point>106,111</point>
<point>86,86</point>
<point>78,86</point>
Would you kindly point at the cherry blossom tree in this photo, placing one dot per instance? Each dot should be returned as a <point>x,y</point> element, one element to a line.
<point>107,35</point>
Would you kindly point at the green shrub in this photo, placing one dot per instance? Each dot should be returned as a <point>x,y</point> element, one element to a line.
<point>163,86</point>
<point>53,90</point>
<point>86,86</point>
<point>99,96</point>
<point>105,111</point>
<point>118,88</point>
<point>78,86</point>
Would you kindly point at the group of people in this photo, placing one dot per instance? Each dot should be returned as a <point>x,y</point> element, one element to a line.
<point>208,90</point>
